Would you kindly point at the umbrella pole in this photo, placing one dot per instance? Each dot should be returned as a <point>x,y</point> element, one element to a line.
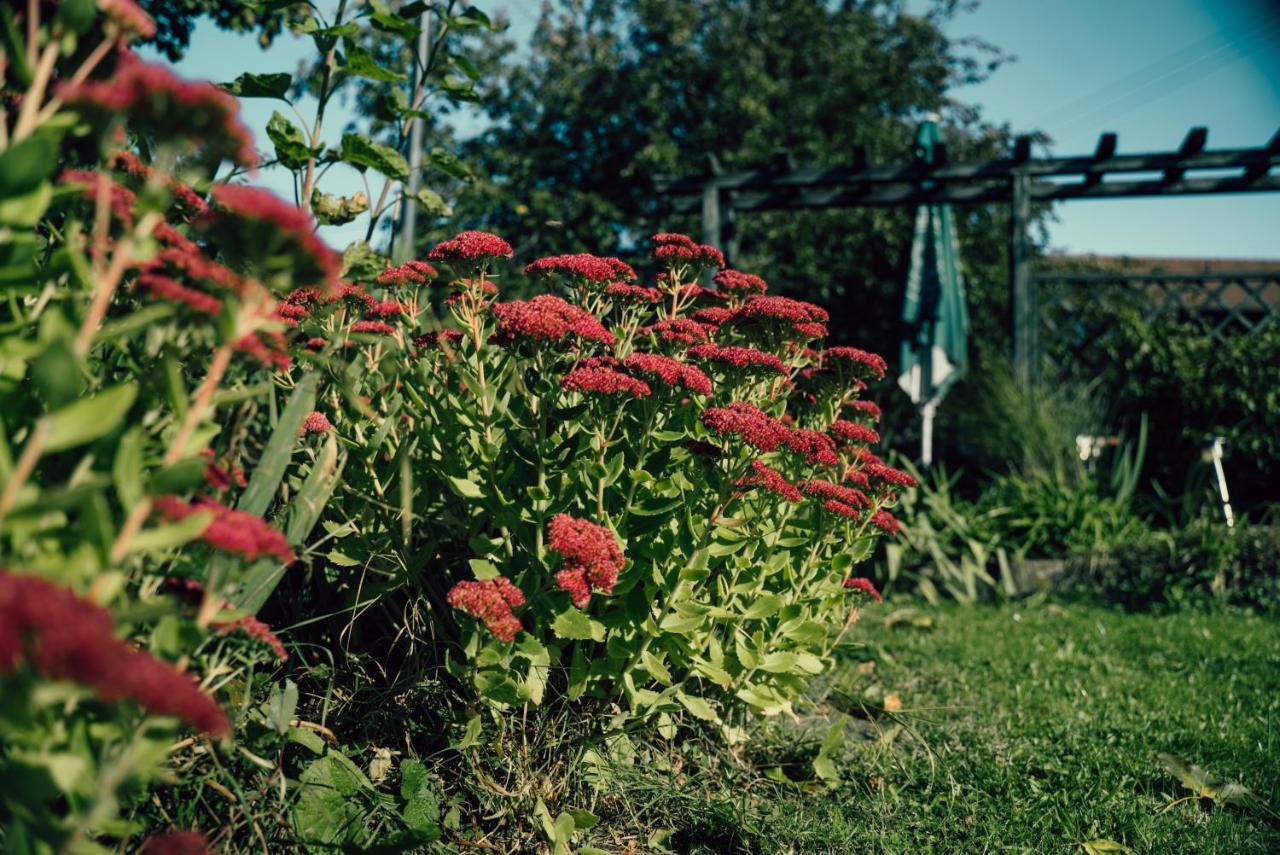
<point>926,432</point>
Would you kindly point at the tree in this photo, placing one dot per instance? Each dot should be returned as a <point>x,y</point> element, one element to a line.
<point>616,92</point>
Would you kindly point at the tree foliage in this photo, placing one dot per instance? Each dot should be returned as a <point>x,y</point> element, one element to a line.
<point>614,93</point>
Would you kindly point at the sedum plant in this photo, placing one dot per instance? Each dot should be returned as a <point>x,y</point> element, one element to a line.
<point>645,500</point>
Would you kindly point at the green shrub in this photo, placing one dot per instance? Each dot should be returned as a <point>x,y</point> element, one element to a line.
<point>1203,564</point>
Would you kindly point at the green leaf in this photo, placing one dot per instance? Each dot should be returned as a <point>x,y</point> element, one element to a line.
<point>25,165</point>
<point>431,202</point>
<point>362,64</point>
<point>337,558</point>
<point>282,705</point>
<point>764,605</point>
<point>573,624</point>
<point>699,707</point>
<point>466,488</point>
<point>329,809</point>
<point>89,418</point>
<point>278,453</point>
<point>249,85</point>
<point>162,538</point>
<point>483,569</point>
<point>391,23</point>
<point>448,163</point>
<point>58,373</point>
<point>291,146</point>
<point>76,16</point>
<point>656,669</point>
<point>24,210</point>
<point>1101,844</point>
<point>362,152</point>
<point>126,469</point>
<point>422,804</point>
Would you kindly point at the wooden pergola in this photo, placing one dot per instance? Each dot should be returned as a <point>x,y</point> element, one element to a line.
<point>1016,181</point>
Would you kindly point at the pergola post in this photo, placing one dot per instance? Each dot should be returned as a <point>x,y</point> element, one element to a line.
<point>1021,290</point>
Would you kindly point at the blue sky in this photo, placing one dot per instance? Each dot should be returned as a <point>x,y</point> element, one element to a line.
<point>1145,69</point>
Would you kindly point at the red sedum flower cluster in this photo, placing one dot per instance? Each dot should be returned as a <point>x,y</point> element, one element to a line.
<point>584,266</point>
<point>67,638</point>
<point>592,557</point>
<point>490,601</point>
<point>546,318</point>
<point>748,423</point>
<point>409,273</point>
<point>167,107</point>
<point>470,247</point>
<point>229,530</point>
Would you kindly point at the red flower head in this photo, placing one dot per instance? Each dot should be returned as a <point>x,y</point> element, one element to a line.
<point>219,477</point>
<point>679,332</point>
<point>712,316</point>
<point>167,107</point>
<point>230,530</point>
<point>470,247</point>
<point>389,309</point>
<point>188,202</point>
<point>840,508</point>
<point>600,376</point>
<point>851,432</point>
<point>867,409</point>
<point>490,601</point>
<point>266,346</point>
<point>789,319</point>
<point>592,557</point>
<point>254,628</point>
<point>351,295</point>
<point>409,273</point>
<point>672,239</point>
<point>700,255</point>
<point>886,522</point>
<point>669,372</point>
<point>769,479</point>
<point>886,476</point>
<point>859,363</point>
<point>316,422</point>
<point>120,199</point>
<point>546,319</point>
<point>67,638</point>
<point>582,266</point>
<point>865,585</point>
<point>280,236</point>
<point>747,422</point>
<point>817,448</point>
<point>164,288</point>
<point>128,18</point>
<point>372,328</point>
<point>826,490</point>
<point>634,294</point>
<point>739,284</point>
<point>744,359</point>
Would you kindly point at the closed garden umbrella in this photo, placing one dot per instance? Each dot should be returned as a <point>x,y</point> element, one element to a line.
<point>935,322</point>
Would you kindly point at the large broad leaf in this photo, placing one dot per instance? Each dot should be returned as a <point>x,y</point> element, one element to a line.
<point>331,806</point>
<point>421,801</point>
<point>291,146</point>
<point>362,152</point>
<point>90,418</point>
<point>574,625</point>
<point>260,86</point>
<point>362,64</point>
<point>448,163</point>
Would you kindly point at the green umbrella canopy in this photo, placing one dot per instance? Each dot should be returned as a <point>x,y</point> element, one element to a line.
<point>935,322</point>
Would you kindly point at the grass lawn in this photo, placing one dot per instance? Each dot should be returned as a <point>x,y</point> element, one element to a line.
<point>1023,728</point>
